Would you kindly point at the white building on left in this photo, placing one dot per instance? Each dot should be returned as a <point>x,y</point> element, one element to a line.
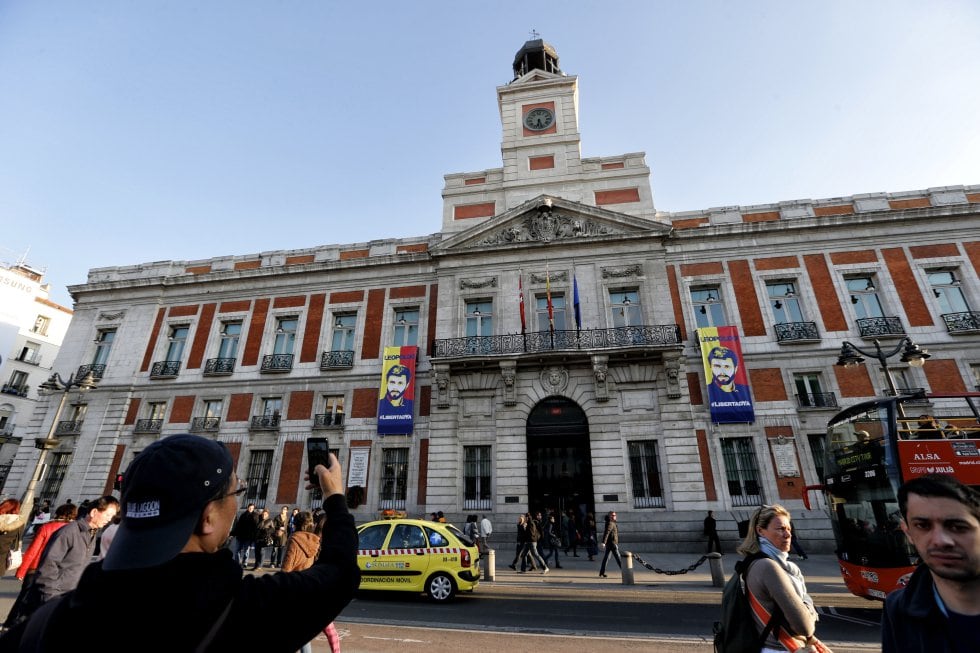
<point>32,328</point>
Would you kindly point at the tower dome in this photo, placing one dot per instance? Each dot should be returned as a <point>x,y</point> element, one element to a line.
<point>538,55</point>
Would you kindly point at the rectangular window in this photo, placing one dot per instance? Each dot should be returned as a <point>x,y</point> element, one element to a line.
<point>645,474</point>
<point>178,338</point>
<point>156,409</point>
<point>212,408</point>
<point>625,305</point>
<point>741,471</point>
<point>76,412</point>
<point>477,476</point>
<point>285,335</point>
<point>257,477</point>
<point>17,384</point>
<point>809,391</point>
<point>333,411</point>
<point>394,478</point>
<point>41,324</point>
<point>975,370</point>
<point>406,327</point>
<point>479,318</point>
<point>864,297</point>
<point>904,381</point>
<point>103,345</point>
<point>343,332</point>
<point>784,301</point>
<point>231,332</point>
<point>947,291</point>
<point>818,449</point>
<point>558,310</point>
<point>709,310</point>
<point>271,406</point>
<point>30,353</point>
<point>54,476</point>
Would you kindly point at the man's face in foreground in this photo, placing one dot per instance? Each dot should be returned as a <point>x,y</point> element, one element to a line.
<point>946,536</point>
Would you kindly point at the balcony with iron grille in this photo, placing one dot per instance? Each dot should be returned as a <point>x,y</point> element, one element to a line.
<point>17,389</point>
<point>69,427</point>
<point>966,322</point>
<point>148,426</point>
<point>200,424</point>
<point>97,371</point>
<point>328,420</point>
<point>219,366</point>
<point>815,400</point>
<point>920,400</point>
<point>659,336</point>
<point>880,327</point>
<point>265,422</point>
<point>794,332</point>
<point>333,360</point>
<point>165,370</point>
<point>275,363</point>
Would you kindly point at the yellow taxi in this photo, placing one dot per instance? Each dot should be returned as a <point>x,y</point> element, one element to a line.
<point>413,555</point>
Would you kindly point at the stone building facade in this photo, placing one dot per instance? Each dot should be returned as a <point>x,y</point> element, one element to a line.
<point>591,399</point>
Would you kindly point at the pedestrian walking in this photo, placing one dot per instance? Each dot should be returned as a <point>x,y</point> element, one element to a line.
<point>937,610</point>
<point>12,525</point>
<point>27,572</point>
<point>486,529</point>
<point>552,540</point>
<point>245,529</point>
<point>263,538</point>
<point>711,532</point>
<point>572,533</point>
<point>777,583</point>
<point>590,536</point>
<point>610,542</point>
<point>168,584</point>
<point>280,535</point>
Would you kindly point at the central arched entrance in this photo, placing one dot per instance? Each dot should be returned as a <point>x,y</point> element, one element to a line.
<point>559,458</point>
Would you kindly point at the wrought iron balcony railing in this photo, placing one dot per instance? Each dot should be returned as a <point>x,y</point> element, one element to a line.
<point>876,327</point>
<point>265,422</point>
<point>165,370</point>
<point>903,391</point>
<point>148,426</point>
<point>336,359</point>
<point>205,423</point>
<point>391,504</point>
<point>97,371</point>
<point>966,322</point>
<point>277,363</point>
<point>817,400</point>
<point>19,389</point>
<point>659,335</point>
<point>328,420</point>
<point>796,331</point>
<point>477,504</point>
<point>219,366</point>
<point>69,427</point>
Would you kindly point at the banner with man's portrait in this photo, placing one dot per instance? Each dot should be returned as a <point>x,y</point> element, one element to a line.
<point>727,386</point>
<point>396,398</point>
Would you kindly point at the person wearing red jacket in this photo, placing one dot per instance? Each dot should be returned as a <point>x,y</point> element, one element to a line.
<point>64,515</point>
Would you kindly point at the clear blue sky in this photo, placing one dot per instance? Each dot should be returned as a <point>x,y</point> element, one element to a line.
<point>142,131</point>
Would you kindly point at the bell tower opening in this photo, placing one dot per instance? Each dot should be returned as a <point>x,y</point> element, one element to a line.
<point>559,458</point>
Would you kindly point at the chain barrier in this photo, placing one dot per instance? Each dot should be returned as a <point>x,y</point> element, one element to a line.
<point>669,572</point>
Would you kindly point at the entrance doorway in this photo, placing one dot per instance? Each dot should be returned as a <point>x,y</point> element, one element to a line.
<point>559,458</point>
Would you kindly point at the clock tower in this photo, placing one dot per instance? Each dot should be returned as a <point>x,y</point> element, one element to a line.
<point>541,148</point>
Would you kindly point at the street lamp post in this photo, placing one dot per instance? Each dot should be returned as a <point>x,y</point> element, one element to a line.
<point>54,384</point>
<point>850,356</point>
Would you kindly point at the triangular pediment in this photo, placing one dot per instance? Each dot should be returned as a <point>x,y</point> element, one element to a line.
<point>545,220</point>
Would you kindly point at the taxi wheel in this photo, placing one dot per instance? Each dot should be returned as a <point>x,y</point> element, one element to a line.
<point>440,588</point>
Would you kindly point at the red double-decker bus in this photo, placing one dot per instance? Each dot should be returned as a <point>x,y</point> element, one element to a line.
<point>872,448</point>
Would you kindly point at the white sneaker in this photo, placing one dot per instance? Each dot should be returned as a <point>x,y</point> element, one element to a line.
<point>546,570</point>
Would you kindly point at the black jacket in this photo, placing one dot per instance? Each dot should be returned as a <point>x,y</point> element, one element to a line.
<point>173,606</point>
<point>912,622</point>
<point>247,526</point>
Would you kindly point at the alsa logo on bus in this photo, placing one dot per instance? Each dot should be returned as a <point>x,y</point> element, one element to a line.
<point>926,456</point>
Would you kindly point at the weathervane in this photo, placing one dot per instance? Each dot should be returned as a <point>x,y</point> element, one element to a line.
<point>534,34</point>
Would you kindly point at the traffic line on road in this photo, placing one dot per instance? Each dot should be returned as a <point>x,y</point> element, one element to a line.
<point>832,612</point>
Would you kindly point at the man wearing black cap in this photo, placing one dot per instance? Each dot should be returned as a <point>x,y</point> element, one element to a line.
<point>168,584</point>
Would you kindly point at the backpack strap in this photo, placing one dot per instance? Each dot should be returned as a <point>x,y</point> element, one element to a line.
<point>773,621</point>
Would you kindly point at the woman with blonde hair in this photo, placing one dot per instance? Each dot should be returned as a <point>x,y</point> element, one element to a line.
<point>776,585</point>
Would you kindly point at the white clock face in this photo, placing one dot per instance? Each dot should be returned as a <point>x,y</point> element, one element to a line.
<point>539,119</point>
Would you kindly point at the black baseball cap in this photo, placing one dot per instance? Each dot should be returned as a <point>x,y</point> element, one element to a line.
<point>163,493</point>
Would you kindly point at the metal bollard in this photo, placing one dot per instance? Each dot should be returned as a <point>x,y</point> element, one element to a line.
<point>717,570</point>
<point>627,568</point>
<point>490,568</point>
